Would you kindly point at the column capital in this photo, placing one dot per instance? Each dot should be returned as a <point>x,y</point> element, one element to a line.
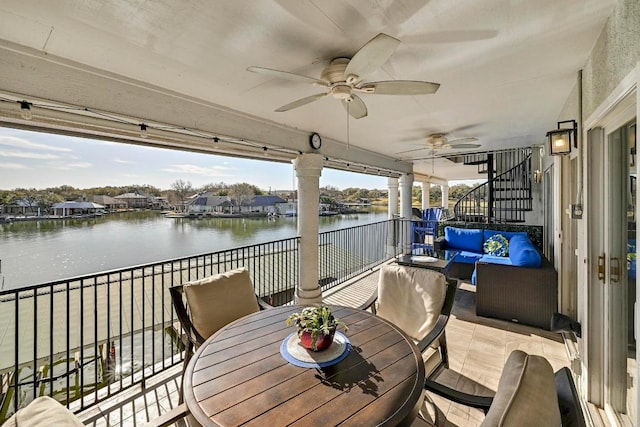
<point>406,179</point>
<point>308,164</point>
<point>392,182</point>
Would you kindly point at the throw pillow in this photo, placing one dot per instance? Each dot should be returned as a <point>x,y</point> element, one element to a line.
<point>496,245</point>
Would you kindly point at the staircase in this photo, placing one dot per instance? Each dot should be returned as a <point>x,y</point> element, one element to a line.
<point>506,195</point>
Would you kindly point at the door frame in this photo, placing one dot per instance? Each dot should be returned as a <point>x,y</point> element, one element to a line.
<point>591,298</point>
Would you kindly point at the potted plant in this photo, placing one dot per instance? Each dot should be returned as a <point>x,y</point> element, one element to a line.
<point>316,326</point>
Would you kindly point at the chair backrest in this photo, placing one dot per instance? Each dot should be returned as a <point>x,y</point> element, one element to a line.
<point>411,297</point>
<point>432,214</point>
<point>214,301</point>
<point>43,412</point>
<point>526,394</point>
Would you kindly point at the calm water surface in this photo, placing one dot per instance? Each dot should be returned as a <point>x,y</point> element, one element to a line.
<point>35,252</point>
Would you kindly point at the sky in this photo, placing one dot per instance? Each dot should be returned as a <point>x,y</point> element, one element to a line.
<point>40,160</point>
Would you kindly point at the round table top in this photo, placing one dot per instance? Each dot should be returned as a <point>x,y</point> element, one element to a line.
<point>239,377</point>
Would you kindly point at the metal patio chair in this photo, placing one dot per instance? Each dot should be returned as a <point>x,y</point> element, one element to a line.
<point>206,305</point>
<point>419,301</point>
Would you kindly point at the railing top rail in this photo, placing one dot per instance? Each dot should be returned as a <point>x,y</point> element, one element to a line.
<point>355,227</point>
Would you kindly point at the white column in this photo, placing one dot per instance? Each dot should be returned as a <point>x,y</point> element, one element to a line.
<point>308,168</point>
<point>426,187</point>
<point>392,200</point>
<point>392,210</point>
<point>445,196</point>
<point>406,185</point>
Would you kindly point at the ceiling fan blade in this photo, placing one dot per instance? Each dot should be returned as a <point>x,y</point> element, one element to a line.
<point>412,150</point>
<point>301,102</point>
<point>463,145</point>
<point>287,75</point>
<point>356,107</point>
<point>370,57</point>
<point>400,87</point>
<point>457,140</point>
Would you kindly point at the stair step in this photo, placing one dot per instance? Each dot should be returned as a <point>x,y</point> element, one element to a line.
<point>505,209</point>
<point>475,162</point>
<point>503,199</point>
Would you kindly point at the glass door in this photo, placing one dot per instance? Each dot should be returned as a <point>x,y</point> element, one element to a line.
<point>620,375</point>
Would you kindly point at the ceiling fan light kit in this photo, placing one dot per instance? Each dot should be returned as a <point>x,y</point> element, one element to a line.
<point>344,76</point>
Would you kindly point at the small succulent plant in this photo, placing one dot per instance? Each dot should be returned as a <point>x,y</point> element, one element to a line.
<point>316,321</point>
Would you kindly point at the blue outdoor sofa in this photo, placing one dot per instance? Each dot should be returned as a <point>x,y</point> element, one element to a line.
<point>514,281</point>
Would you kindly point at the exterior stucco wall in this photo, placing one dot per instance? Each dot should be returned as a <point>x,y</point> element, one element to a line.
<point>615,54</point>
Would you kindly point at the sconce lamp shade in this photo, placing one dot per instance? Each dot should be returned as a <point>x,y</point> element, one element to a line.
<point>561,140</point>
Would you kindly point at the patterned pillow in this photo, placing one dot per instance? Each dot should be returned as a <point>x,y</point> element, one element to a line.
<point>496,245</point>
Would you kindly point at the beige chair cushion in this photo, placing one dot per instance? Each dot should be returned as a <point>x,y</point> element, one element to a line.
<point>526,394</point>
<point>411,298</point>
<point>218,300</point>
<point>43,412</point>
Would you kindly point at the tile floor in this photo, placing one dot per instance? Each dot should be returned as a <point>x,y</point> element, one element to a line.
<point>478,349</point>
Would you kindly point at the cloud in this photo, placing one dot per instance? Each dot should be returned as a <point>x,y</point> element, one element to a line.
<point>215,171</point>
<point>13,166</point>
<point>117,160</point>
<point>70,166</point>
<point>13,141</point>
<point>27,155</point>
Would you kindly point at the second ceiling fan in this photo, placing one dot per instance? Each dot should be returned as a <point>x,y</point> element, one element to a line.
<point>439,141</point>
<point>344,77</point>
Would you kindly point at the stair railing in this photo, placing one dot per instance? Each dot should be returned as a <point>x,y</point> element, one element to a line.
<point>503,198</point>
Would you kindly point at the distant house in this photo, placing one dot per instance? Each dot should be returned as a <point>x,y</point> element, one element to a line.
<point>208,203</point>
<point>24,207</point>
<point>133,200</point>
<point>159,202</point>
<point>153,202</point>
<point>110,203</point>
<point>263,204</point>
<point>71,208</point>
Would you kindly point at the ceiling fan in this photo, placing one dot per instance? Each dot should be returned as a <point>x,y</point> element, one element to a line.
<point>439,141</point>
<point>344,77</point>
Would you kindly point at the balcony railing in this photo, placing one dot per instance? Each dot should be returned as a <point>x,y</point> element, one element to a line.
<point>83,339</point>
<point>348,252</point>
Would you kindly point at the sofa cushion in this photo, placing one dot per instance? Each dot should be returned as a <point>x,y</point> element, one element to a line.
<point>522,252</point>
<point>43,411</point>
<point>497,245</point>
<point>467,239</point>
<point>508,234</point>
<point>526,394</point>
<point>220,299</point>
<point>631,258</point>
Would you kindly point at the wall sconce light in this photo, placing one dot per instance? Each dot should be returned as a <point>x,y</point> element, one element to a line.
<point>561,139</point>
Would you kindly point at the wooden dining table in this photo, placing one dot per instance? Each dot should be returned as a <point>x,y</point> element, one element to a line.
<point>239,376</point>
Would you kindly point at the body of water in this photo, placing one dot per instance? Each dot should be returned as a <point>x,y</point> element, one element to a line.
<point>34,252</point>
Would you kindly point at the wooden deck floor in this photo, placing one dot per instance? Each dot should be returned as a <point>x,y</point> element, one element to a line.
<point>478,348</point>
